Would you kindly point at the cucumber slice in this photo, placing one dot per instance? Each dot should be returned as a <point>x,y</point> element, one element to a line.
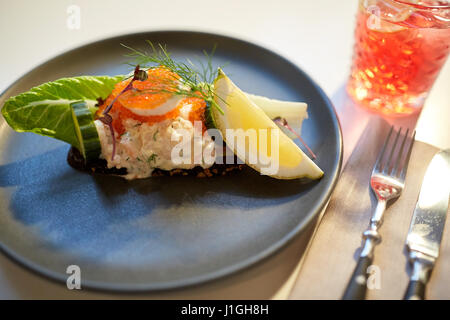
<point>209,118</point>
<point>86,131</point>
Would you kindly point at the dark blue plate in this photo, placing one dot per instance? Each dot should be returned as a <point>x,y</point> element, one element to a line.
<point>165,232</point>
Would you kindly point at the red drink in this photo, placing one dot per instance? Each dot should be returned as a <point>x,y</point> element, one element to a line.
<point>399,50</point>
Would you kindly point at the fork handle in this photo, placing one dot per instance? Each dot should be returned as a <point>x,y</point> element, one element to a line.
<point>357,287</point>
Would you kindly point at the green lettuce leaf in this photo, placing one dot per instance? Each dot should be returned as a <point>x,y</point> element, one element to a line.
<point>45,109</point>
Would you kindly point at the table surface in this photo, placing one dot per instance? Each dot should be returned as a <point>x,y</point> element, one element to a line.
<point>316,35</point>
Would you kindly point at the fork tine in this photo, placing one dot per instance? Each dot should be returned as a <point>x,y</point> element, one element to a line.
<point>386,167</point>
<point>377,166</point>
<point>395,166</point>
<point>406,161</point>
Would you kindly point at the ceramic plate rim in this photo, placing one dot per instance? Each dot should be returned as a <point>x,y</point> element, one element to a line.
<point>220,273</point>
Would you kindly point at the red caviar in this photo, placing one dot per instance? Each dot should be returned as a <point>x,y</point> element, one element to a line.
<point>197,110</point>
<point>149,94</point>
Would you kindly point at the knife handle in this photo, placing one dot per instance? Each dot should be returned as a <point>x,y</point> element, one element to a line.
<point>415,290</point>
<point>357,287</point>
<point>422,266</point>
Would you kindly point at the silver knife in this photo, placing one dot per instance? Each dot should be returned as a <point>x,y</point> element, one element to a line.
<point>427,224</point>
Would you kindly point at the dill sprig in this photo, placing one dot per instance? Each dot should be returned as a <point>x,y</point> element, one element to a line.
<point>197,79</point>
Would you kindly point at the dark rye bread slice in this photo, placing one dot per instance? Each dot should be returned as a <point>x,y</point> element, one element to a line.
<point>99,166</point>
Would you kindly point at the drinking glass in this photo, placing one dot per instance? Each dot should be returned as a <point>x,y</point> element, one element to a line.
<point>400,47</point>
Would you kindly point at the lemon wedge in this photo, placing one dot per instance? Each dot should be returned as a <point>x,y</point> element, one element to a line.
<point>293,112</point>
<point>255,138</point>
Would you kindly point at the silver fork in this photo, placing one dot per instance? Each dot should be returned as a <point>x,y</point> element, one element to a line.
<point>387,182</point>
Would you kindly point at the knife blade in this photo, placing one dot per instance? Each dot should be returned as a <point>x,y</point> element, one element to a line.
<point>427,224</point>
